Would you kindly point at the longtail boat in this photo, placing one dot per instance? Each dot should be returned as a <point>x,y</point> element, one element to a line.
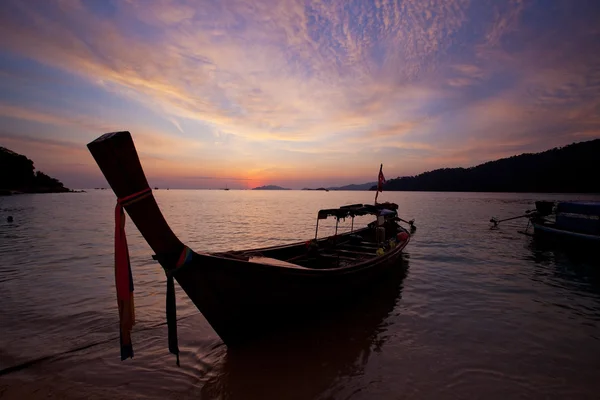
<point>570,222</point>
<point>246,295</point>
<point>575,221</point>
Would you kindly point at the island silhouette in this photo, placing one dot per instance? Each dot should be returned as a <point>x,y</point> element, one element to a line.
<point>270,187</point>
<point>18,175</point>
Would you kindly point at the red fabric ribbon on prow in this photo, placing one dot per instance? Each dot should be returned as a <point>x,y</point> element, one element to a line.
<point>123,276</point>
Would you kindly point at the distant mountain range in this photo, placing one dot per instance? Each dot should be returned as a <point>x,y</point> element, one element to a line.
<point>270,187</point>
<point>361,186</point>
<point>569,169</point>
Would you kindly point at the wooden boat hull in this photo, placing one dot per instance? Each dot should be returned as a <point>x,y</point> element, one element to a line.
<point>549,231</point>
<point>244,301</point>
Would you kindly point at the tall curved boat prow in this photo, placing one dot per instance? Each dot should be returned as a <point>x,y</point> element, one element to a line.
<point>250,294</point>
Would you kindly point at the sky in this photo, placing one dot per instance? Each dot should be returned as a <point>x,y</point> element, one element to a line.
<point>242,93</point>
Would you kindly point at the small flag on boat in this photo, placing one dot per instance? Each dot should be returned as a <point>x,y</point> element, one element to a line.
<point>380,179</point>
<point>380,182</point>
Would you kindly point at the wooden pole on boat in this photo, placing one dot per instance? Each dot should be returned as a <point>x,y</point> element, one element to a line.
<point>118,160</point>
<point>317,229</point>
<point>410,223</point>
<point>352,227</point>
<point>496,221</point>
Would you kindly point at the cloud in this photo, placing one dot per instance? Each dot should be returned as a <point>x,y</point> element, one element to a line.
<point>147,140</point>
<point>275,75</point>
<point>52,117</point>
<point>505,19</point>
<point>290,82</point>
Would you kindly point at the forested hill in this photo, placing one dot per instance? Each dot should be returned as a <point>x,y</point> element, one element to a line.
<point>17,174</point>
<point>571,169</point>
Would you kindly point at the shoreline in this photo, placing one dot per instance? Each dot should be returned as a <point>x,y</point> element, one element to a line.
<point>10,192</point>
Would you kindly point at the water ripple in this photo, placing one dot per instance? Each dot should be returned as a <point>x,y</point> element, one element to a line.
<point>481,313</point>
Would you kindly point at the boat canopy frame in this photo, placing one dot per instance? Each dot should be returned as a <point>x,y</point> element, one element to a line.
<point>355,210</point>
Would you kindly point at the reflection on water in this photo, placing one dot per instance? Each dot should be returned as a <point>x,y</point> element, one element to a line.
<point>482,313</point>
<point>317,359</point>
<point>568,268</point>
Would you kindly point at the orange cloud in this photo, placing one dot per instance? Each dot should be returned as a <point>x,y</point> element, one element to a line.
<point>45,117</point>
<point>147,140</point>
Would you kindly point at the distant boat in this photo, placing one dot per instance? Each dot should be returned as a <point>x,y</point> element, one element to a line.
<point>225,188</point>
<point>249,295</point>
<point>573,222</point>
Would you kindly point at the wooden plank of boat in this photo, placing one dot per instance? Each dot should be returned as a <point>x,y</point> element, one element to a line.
<point>358,253</point>
<point>351,246</point>
<point>369,244</point>
<point>591,208</point>
<point>336,256</point>
<point>560,232</point>
<point>273,261</point>
<point>241,300</point>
